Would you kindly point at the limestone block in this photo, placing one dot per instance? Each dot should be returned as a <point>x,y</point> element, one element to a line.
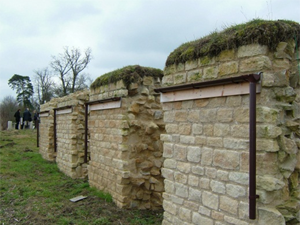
<point>226,159</point>
<point>226,55</point>
<point>180,152</point>
<point>224,115</point>
<point>270,216</point>
<point>205,211</point>
<point>235,191</point>
<point>198,219</point>
<point>185,139</point>
<point>167,80</point>
<point>233,143</point>
<point>282,51</point>
<point>240,178</point>
<point>288,145</point>
<point>167,173</point>
<point>252,50</point>
<point>233,220</point>
<point>288,165</point>
<point>255,64</point>
<point>170,207</point>
<point>144,91</point>
<point>159,187</point>
<point>151,128</point>
<point>206,60</point>
<point>210,72</point>
<point>181,190</point>
<point>221,129</point>
<point>241,114</point>
<point>194,195</point>
<point>211,172</point>
<point>267,114</point>
<point>217,187</point>
<point>229,205</point>
<point>269,183</point>
<point>185,214</point>
<point>134,108</point>
<point>184,167</point>
<point>170,163</point>
<point>170,116</point>
<point>210,200</point>
<point>287,94</point>
<point>193,154</point>
<point>180,78</point>
<point>198,170</point>
<point>228,68</point>
<point>268,131</point>
<point>207,156</point>
<point>194,75</point>
<point>169,69</point>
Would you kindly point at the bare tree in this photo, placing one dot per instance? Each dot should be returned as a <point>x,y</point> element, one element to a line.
<point>44,85</point>
<point>78,63</point>
<point>69,65</point>
<point>62,66</point>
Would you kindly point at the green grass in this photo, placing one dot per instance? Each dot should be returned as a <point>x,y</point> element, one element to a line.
<point>34,191</point>
<point>257,31</point>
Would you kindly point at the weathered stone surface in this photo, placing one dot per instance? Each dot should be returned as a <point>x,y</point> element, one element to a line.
<point>226,159</point>
<point>210,200</point>
<point>235,191</point>
<point>254,64</point>
<point>229,205</point>
<point>228,68</point>
<point>210,72</point>
<point>199,219</point>
<point>288,145</point>
<point>269,183</point>
<point>252,50</point>
<point>270,216</point>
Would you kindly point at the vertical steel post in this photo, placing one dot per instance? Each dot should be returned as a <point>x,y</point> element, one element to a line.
<point>252,142</point>
<point>38,131</point>
<point>54,134</point>
<point>86,133</point>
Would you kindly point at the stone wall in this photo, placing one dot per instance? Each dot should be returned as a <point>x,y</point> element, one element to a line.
<point>125,146</point>
<point>69,154</point>
<point>46,131</point>
<point>206,145</point>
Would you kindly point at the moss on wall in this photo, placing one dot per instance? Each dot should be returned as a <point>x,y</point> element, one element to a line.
<point>257,31</point>
<point>128,74</point>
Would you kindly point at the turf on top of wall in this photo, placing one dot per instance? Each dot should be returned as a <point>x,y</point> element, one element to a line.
<point>264,32</point>
<point>128,74</point>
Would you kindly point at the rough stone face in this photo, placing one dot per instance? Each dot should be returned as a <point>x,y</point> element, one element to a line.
<point>212,135</point>
<point>270,216</point>
<point>128,139</point>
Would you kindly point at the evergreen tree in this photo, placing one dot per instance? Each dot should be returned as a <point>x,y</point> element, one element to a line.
<point>23,87</point>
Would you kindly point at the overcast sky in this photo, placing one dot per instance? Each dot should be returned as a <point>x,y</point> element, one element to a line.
<point>119,32</point>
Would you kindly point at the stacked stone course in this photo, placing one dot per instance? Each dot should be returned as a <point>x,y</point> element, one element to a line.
<point>125,146</point>
<point>46,126</point>
<point>69,154</point>
<point>206,145</point>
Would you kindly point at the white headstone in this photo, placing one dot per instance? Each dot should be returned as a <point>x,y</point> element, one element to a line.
<point>9,125</point>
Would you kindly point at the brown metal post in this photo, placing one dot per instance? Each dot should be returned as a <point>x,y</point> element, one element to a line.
<point>86,133</point>
<point>54,134</point>
<point>38,131</point>
<point>252,151</point>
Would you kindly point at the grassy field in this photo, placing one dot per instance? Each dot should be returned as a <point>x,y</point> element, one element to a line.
<point>34,191</point>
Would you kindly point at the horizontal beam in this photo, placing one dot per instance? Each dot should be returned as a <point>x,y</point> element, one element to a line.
<point>230,80</point>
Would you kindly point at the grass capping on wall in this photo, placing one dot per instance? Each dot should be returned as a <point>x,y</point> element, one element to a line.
<point>257,31</point>
<point>128,74</point>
